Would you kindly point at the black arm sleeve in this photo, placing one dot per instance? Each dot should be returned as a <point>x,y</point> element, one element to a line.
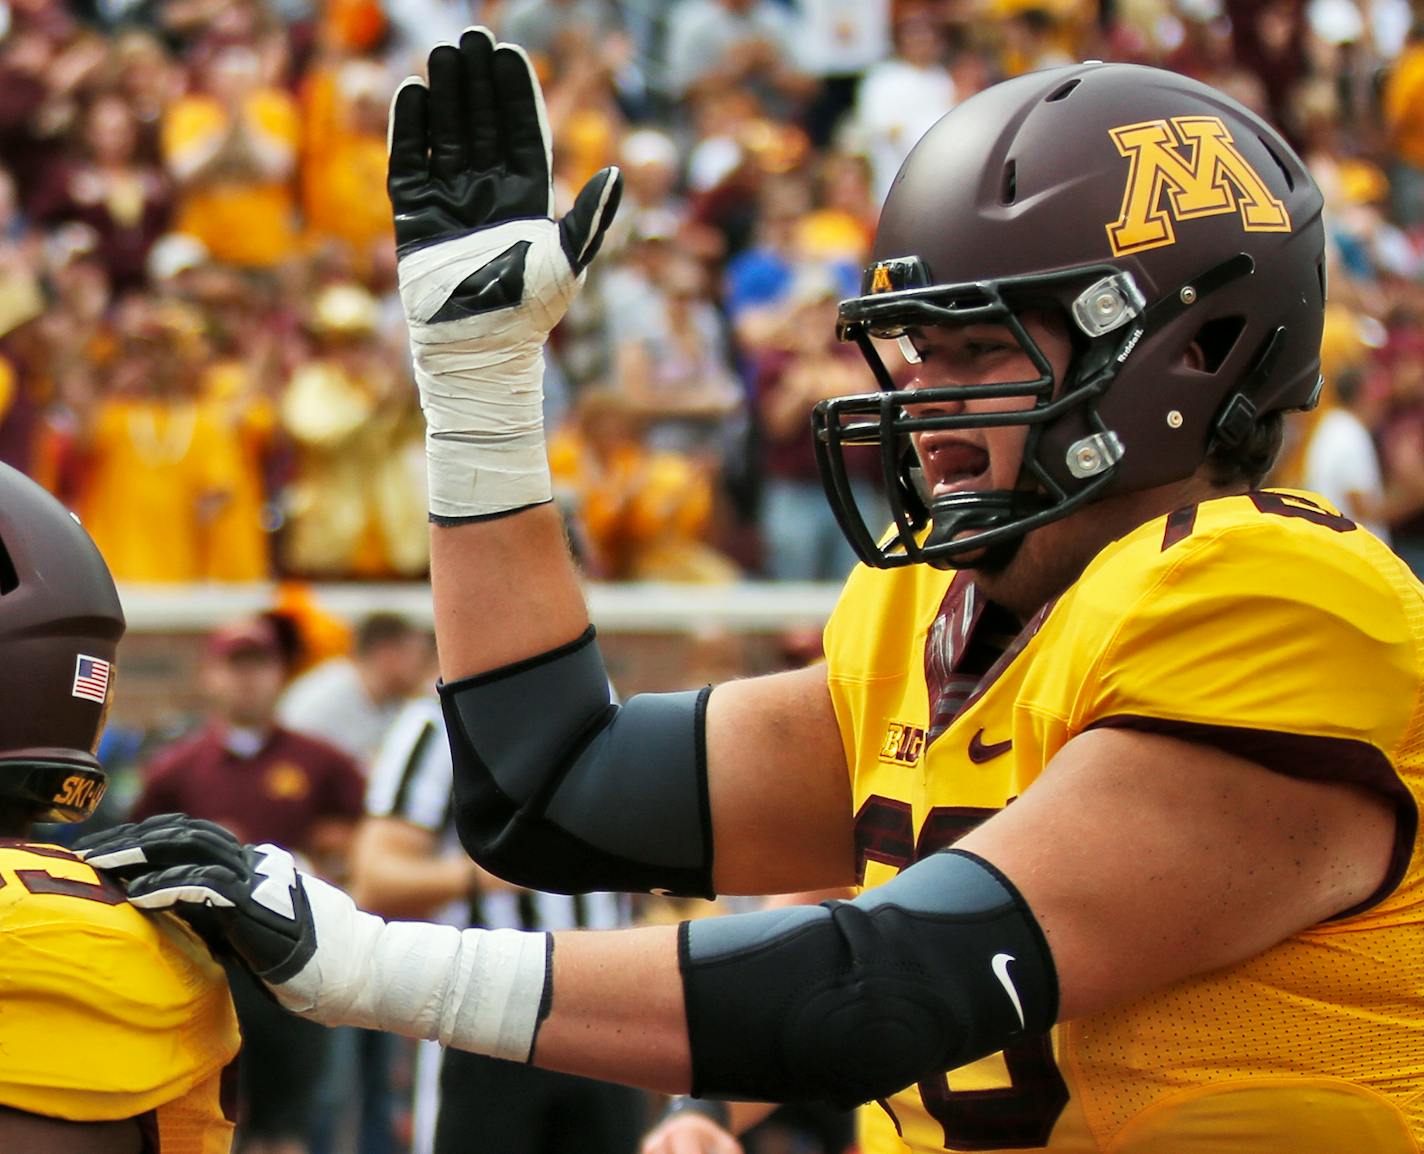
<point>557,788</point>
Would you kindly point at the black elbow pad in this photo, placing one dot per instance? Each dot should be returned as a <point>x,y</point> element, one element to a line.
<point>847,1002</point>
<point>559,789</point>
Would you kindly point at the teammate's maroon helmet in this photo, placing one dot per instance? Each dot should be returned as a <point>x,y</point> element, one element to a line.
<point>1150,212</point>
<point>60,623</point>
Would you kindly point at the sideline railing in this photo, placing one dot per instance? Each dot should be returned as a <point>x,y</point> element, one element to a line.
<point>635,607</point>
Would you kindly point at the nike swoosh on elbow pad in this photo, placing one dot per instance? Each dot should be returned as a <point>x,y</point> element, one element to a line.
<point>999,963</point>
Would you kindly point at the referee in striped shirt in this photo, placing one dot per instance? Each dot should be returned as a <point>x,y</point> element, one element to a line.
<point>408,863</point>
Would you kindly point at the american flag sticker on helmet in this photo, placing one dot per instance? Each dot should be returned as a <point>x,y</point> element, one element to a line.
<point>91,678</point>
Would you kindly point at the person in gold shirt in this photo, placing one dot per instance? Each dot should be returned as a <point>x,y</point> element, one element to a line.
<point>232,148</point>
<point>1403,106</point>
<point>1123,749</point>
<point>343,164</point>
<point>118,1027</point>
<point>154,452</point>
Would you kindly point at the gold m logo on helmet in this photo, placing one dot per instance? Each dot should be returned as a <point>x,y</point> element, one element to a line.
<point>880,279</point>
<point>1212,178</point>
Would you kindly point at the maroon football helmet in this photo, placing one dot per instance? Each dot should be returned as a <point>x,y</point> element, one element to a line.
<point>60,623</point>
<point>1149,211</point>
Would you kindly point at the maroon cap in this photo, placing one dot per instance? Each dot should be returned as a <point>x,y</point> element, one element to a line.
<point>249,635</point>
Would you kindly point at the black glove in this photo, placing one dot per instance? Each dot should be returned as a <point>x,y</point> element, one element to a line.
<point>471,151</point>
<point>241,898</point>
<point>485,271</point>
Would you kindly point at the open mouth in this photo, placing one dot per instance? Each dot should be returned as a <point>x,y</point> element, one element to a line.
<point>952,465</point>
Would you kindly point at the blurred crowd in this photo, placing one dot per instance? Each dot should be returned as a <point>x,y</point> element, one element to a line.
<point>198,323</point>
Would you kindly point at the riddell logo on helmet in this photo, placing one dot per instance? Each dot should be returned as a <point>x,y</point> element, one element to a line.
<point>1194,160</point>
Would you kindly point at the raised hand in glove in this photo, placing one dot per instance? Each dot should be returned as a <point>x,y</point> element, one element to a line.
<point>485,271</point>
<point>322,957</point>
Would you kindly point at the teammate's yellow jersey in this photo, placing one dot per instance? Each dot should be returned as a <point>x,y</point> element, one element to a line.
<point>1264,624</point>
<point>107,1012</point>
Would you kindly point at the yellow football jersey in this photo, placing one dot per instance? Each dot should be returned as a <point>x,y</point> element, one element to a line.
<point>107,1012</point>
<point>1264,624</point>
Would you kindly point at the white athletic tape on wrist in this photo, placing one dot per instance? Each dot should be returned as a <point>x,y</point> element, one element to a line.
<point>481,378</point>
<point>477,990</point>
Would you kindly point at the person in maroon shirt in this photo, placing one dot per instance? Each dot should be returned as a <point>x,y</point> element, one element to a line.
<point>247,772</point>
<point>244,770</point>
<point>108,183</point>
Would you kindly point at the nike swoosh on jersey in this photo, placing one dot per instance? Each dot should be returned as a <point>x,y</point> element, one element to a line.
<point>1000,965</point>
<point>980,752</point>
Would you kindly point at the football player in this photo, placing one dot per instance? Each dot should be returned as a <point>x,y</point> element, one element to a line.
<point>1124,749</point>
<point>115,1027</point>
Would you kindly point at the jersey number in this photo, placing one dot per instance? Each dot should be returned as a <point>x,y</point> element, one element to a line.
<point>38,881</point>
<point>1022,1115</point>
<point>1181,522</point>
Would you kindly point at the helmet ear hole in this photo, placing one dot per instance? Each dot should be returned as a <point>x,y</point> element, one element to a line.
<point>1009,183</point>
<point>1281,164</point>
<point>1216,339</point>
<point>9,578</point>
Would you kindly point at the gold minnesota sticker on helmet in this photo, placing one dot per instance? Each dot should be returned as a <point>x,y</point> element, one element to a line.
<point>880,279</point>
<point>1195,161</point>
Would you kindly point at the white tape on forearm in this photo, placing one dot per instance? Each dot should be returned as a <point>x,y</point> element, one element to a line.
<point>481,378</point>
<point>495,1010</point>
<point>477,990</point>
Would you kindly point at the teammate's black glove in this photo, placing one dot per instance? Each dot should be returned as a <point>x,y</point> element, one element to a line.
<point>247,899</point>
<point>320,956</point>
<point>485,271</point>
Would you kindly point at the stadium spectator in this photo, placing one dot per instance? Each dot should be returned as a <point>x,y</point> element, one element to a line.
<point>1403,103</point>
<point>246,771</point>
<point>901,96</point>
<point>801,537</point>
<point>671,363</point>
<point>352,701</point>
<point>1032,40</point>
<point>645,513</point>
<point>352,505</point>
<point>719,44</point>
<point>1400,363</point>
<point>46,61</point>
<point>838,228</point>
<point>1270,42</point>
<point>231,147</point>
<point>343,166</point>
<point>110,186</point>
<point>145,73</point>
<point>1341,462</point>
<point>759,277</point>
<point>837,41</point>
<point>151,452</point>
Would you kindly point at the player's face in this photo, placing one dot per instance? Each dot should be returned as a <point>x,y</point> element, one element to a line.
<point>978,460</point>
